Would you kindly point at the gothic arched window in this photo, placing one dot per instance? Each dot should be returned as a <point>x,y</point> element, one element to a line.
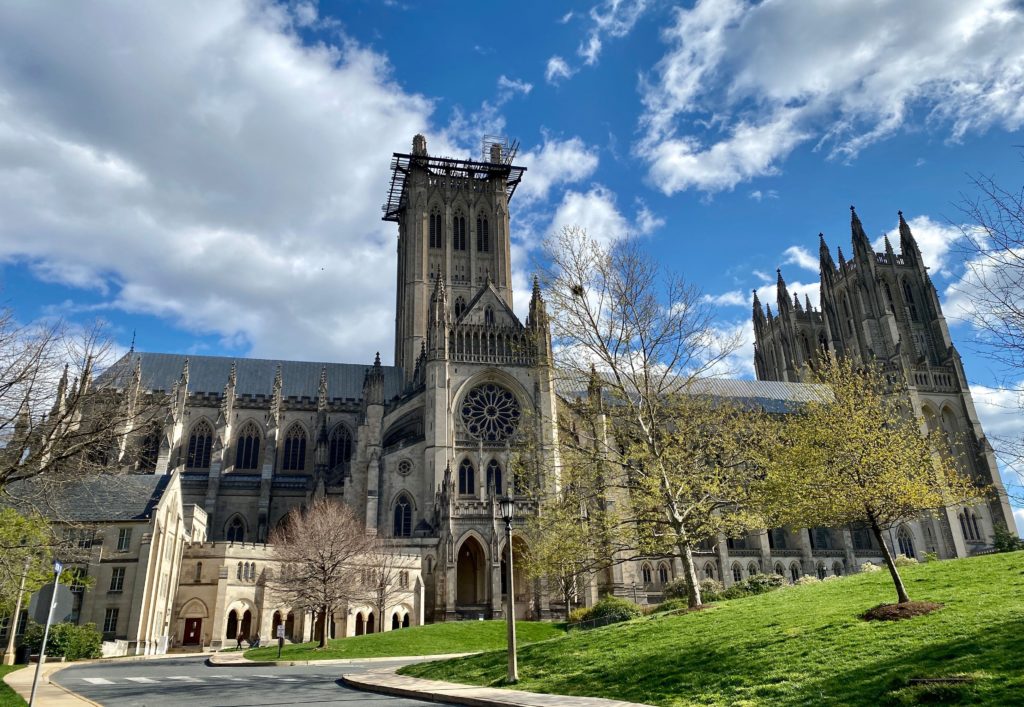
<point>459,232</point>
<point>709,571</point>
<point>402,517</point>
<point>295,449</point>
<point>906,542</point>
<point>822,572</point>
<point>663,574</point>
<point>646,573</point>
<point>436,229</point>
<point>489,315</point>
<point>235,530</point>
<point>339,449</point>
<point>460,306</point>
<point>247,447</point>
<point>483,236</point>
<point>494,476</point>
<point>737,572</point>
<point>888,296</point>
<point>908,294</point>
<point>467,478</point>
<point>977,530</point>
<point>200,442</point>
<point>794,572</point>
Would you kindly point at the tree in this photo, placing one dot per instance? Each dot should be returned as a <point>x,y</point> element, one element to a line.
<point>645,339</point>
<point>320,551</point>
<point>24,551</point>
<point>385,577</point>
<point>57,423</point>
<point>858,455</point>
<point>993,285</point>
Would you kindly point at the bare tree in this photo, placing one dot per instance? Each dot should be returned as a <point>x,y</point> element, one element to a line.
<point>993,286</point>
<point>321,553</point>
<point>649,336</point>
<point>57,422</point>
<point>385,578</point>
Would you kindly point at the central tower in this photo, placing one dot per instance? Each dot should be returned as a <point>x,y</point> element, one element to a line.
<point>453,223</point>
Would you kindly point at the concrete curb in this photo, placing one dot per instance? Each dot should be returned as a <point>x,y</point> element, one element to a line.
<point>386,682</point>
<point>49,692</point>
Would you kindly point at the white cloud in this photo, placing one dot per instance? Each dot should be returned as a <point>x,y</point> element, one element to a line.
<point>553,163</point>
<point>612,18</point>
<point>207,167</point>
<point>739,363</point>
<point>766,77</point>
<point>768,294</point>
<point>735,298</point>
<point>564,19</point>
<point>557,70</point>
<point>508,88</point>
<point>758,195</point>
<point>801,257</point>
<point>597,213</point>
<point>1000,412</point>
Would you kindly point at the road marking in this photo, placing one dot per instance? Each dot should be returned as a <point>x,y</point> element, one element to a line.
<point>98,681</point>
<point>264,676</point>
<point>144,680</point>
<point>183,678</point>
<point>289,679</point>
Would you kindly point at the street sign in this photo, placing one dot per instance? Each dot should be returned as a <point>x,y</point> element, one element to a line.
<point>39,606</point>
<point>280,630</point>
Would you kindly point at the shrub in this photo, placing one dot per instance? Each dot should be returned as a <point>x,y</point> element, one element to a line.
<point>580,614</point>
<point>711,589</point>
<point>904,561</point>
<point>930,557</point>
<point>1005,541</point>
<point>870,567</point>
<point>69,640</point>
<point>761,583</point>
<point>676,589</point>
<point>677,604</point>
<point>615,609</point>
<point>807,579</point>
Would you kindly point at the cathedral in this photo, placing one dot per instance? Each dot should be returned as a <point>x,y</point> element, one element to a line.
<point>421,448</point>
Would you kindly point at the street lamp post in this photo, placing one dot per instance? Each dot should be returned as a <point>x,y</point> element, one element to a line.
<point>508,509</point>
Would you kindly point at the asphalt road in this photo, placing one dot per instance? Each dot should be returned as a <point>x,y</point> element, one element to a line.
<point>189,682</point>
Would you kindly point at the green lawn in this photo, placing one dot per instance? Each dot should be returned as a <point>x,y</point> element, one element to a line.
<point>797,646</point>
<point>8,697</point>
<point>434,639</point>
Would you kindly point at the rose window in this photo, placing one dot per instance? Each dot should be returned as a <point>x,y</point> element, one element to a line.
<point>490,413</point>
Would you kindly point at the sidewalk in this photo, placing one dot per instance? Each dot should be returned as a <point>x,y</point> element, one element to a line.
<point>48,693</point>
<point>384,681</point>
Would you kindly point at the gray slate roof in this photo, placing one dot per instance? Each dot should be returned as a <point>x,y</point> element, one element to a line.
<point>103,498</point>
<point>209,374</point>
<point>770,396</point>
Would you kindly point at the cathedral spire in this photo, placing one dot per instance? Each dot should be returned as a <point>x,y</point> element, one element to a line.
<point>824,255</point>
<point>321,396</point>
<point>908,244</point>
<point>538,315</point>
<point>861,244</point>
<point>781,294</point>
<point>807,303</point>
<point>758,313</point>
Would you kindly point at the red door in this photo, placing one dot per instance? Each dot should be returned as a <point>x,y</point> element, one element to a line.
<point>193,633</point>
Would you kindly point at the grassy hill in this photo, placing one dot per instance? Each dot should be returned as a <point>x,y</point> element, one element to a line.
<point>796,646</point>
<point>433,639</point>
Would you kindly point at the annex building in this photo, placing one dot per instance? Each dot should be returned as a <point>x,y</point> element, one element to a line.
<point>421,448</point>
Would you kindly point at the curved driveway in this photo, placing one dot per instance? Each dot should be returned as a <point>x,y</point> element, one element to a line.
<point>189,682</point>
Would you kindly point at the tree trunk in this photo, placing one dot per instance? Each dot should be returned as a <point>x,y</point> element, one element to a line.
<point>690,574</point>
<point>567,591</point>
<point>901,591</point>
<point>322,620</point>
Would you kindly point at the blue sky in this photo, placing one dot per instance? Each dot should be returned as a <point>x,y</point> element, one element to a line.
<point>209,175</point>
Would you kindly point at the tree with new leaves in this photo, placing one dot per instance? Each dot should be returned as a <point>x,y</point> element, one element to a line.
<point>674,460</point>
<point>321,553</point>
<point>859,456</point>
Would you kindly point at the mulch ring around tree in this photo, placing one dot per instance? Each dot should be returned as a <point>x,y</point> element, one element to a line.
<point>898,612</point>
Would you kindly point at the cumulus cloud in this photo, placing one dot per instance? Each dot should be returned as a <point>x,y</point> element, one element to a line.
<point>557,70</point>
<point>734,298</point>
<point>763,78</point>
<point>800,256</point>
<point>596,211</point>
<point>555,162</point>
<point>202,164</point>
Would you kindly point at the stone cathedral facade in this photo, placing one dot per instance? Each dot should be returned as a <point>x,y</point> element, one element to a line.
<point>884,307</point>
<point>421,449</point>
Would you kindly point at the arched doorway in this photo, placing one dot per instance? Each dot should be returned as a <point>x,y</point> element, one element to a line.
<point>471,573</point>
<point>405,621</point>
<point>275,622</point>
<point>232,630</point>
<point>395,623</point>
<point>360,626</point>
<point>246,627</point>
<point>369,623</point>
<point>289,625</point>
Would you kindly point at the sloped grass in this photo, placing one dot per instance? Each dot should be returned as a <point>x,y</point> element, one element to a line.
<point>797,646</point>
<point>8,697</point>
<point>433,639</point>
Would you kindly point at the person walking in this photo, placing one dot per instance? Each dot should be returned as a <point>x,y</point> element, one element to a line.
<point>241,637</point>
